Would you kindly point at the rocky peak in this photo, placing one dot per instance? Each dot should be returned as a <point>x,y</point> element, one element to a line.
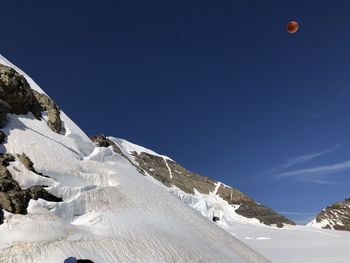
<point>17,97</point>
<point>335,216</point>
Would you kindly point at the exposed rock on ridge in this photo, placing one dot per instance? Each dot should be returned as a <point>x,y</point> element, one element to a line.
<point>53,112</point>
<point>171,173</point>
<point>12,197</point>
<point>17,97</point>
<point>336,216</point>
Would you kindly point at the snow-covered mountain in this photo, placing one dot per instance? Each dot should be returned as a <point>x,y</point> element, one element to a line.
<point>213,199</point>
<point>62,196</point>
<point>335,216</point>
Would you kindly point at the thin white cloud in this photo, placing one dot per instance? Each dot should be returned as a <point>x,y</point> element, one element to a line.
<point>318,171</point>
<point>303,159</point>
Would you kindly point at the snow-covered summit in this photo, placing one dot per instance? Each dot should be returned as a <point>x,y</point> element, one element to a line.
<point>132,147</point>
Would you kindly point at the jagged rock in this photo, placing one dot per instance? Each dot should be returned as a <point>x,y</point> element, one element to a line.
<point>16,96</point>
<point>37,192</point>
<point>5,202</point>
<point>7,185</point>
<point>6,158</point>
<point>24,159</point>
<point>336,216</point>
<point>12,197</point>
<point>53,111</point>
<point>19,200</point>
<point>171,173</point>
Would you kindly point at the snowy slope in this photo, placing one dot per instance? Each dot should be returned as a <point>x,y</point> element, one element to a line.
<point>110,212</point>
<point>211,198</point>
<point>291,244</point>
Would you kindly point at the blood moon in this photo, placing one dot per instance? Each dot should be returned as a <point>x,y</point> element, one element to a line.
<point>292,27</point>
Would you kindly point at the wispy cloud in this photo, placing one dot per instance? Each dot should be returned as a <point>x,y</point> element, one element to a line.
<point>318,170</point>
<point>303,159</point>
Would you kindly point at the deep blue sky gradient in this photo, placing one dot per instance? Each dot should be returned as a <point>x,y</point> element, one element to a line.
<point>219,86</point>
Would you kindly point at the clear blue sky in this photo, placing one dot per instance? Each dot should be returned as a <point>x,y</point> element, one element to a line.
<point>217,85</point>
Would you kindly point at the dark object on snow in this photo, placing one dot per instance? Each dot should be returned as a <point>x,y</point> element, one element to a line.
<point>216,218</point>
<point>75,260</point>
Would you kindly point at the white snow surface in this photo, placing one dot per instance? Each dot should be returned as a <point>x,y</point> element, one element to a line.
<point>291,244</point>
<point>110,212</point>
<point>131,147</point>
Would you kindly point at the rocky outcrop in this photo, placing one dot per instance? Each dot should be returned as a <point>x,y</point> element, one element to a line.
<point>53,112</point>
<point>101,140</point>
<point>336,216</point>
<point>171,173</point>
<point>17,97</point>
<point>12,197</point>
<point>25,160</point>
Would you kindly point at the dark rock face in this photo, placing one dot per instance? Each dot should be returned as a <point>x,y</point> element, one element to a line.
<point>12,197</point>
<point>16,96</point>
<point>53,112</point>
<point>337,215</point>
<point>171,173</point>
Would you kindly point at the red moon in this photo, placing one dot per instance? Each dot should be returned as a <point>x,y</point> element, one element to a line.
<point>292,27</point>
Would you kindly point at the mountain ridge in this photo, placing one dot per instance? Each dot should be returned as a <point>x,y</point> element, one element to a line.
<point>170,173</point>
<point>335,216</point>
